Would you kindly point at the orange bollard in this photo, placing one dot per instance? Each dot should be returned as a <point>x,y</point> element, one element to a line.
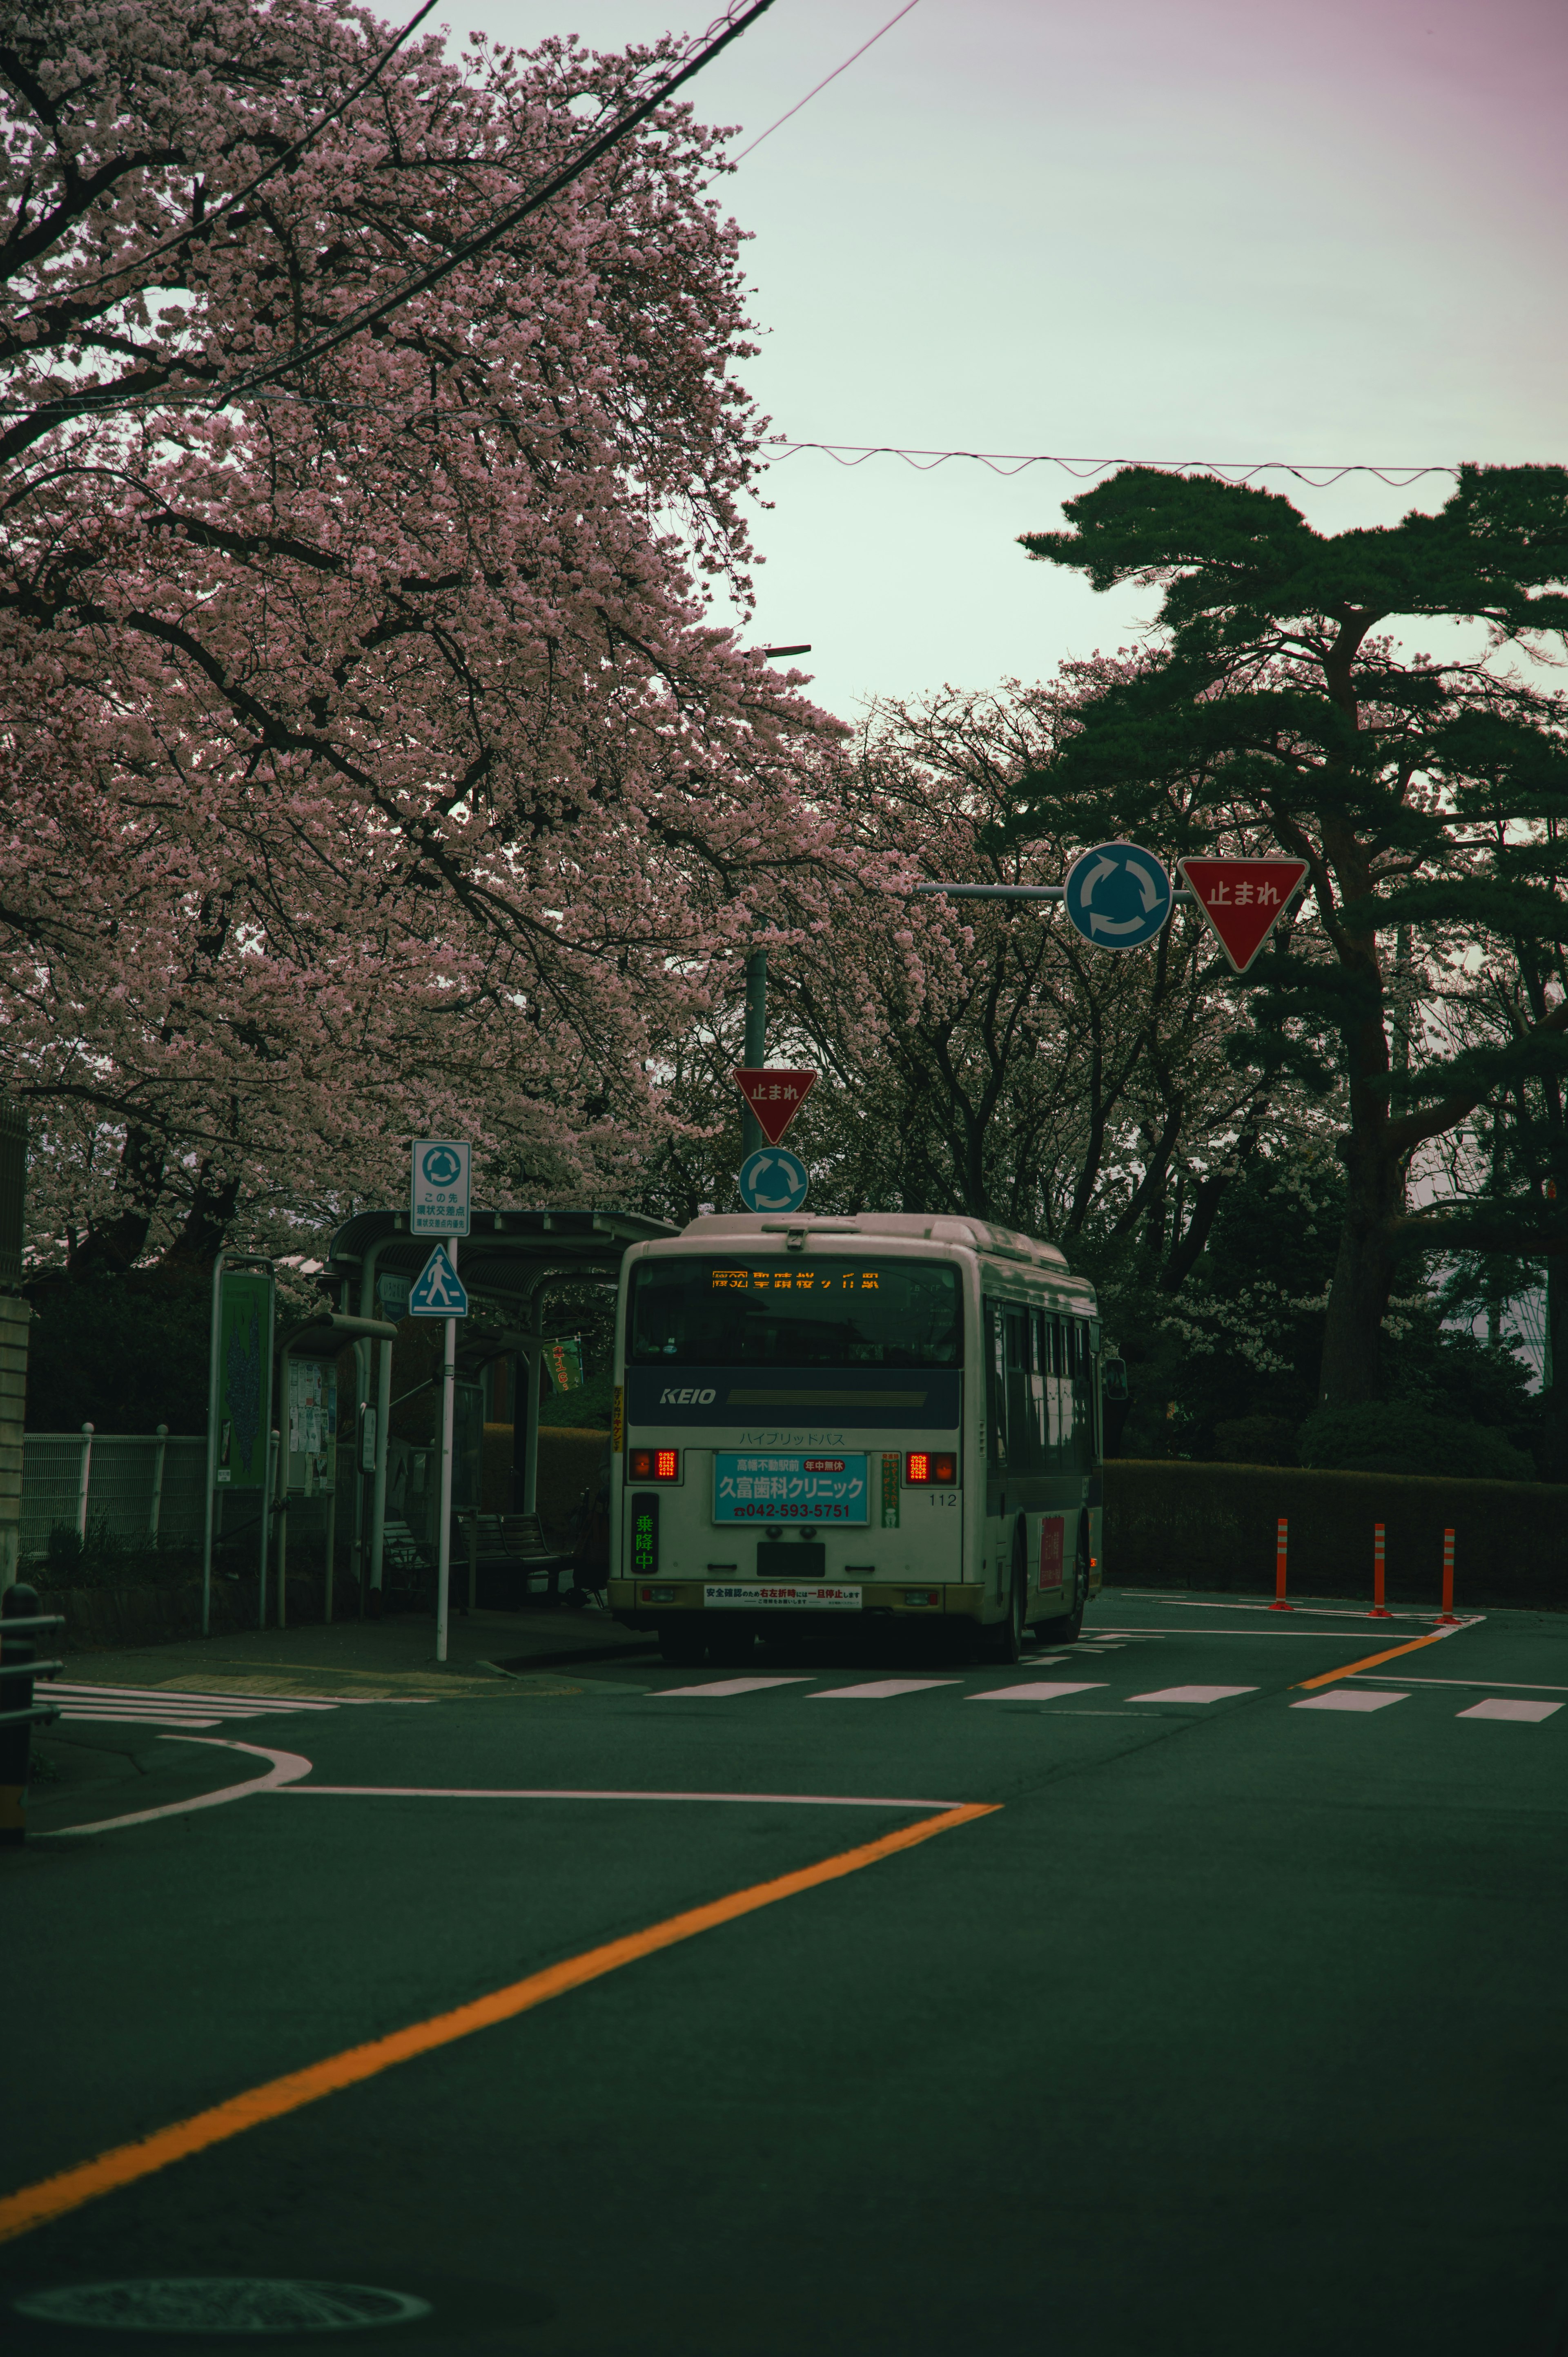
<point>1448,1612</point>
<point>1380,1612</point>
<point>1279,1604</point>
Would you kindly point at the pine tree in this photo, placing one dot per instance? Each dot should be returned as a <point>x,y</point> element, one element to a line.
<point>1421,791</point>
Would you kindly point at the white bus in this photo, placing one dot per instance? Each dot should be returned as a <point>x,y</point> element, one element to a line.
<point>894,1416</point>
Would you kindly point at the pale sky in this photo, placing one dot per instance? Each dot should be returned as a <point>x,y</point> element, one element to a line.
<point>1237,230</point>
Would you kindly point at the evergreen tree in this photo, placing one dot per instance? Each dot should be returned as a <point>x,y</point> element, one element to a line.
<point>1422,793</point>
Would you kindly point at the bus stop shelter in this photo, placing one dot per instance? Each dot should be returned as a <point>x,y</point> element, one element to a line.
<point>507,1262</point>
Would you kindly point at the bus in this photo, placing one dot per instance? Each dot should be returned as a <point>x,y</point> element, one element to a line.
<point>823,1422</point>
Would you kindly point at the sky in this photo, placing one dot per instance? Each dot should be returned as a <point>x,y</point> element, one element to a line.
<point>1229,229</point>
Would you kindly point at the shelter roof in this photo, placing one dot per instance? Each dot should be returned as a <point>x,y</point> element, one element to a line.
<point>506,1250</point>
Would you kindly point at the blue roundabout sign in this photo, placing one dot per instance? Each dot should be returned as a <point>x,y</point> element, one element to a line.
<point>773,1180</point>
<point>1118,896</point>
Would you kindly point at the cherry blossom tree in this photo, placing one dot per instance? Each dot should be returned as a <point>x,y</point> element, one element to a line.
<point>371,757</point>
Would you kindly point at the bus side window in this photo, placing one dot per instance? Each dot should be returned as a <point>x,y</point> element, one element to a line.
<point>1083,1398</point>
<point>1039,1386</point>
<point>1016,1323</point>
<point>996,1384</point>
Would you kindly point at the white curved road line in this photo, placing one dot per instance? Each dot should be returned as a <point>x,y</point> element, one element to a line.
<point>286,1767</point>
<point>551,1793</point>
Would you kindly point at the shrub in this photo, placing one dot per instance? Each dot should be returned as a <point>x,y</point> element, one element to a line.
<point>1397,1436</point>
<point>1256,1440</point>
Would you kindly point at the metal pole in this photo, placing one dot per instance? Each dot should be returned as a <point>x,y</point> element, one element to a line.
<point>751,1138</point>
<point>331,1521</point>
<point>530,1441</point>
<point>266,1505</point>
<point>156,1507</point>
<point>444,1529</point>
<point>82,1479</point>
<point>362,1390</point>
<point>283,1458</point>
<point>214,1344</point>
<point>378,1494</point>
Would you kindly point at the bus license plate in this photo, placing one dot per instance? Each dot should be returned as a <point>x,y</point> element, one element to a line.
<point>768,1597</point>
<point>756,1486</point>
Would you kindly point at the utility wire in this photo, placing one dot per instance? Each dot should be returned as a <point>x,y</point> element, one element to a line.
<point>1013,462</point>
<point>290,155</point>
<point>712,41</point>
<point>810,94</point>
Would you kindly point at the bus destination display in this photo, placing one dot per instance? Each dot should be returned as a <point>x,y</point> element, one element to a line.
<point>756,1488</point>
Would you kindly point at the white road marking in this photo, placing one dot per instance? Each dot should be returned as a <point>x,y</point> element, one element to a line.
<point>86,1705</point>
<point>880,1689</point>
<point>1038,1691</point>
<point>285,1767</point>
<point>1501,1706</point>
<point>732,1686</point>
<point>1520,1686</point>
<point>1192,1694</point>
<point>545,1792</point>
<point>1349,1698</point>
<point>1298,1604</point>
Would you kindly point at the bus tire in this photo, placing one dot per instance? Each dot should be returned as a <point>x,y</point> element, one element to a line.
<point>1068,1629</point>
<point>683,1644</point>
<point>1004,1642</point>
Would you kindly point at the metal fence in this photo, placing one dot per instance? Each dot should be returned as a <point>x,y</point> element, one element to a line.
<point>139,1486</point>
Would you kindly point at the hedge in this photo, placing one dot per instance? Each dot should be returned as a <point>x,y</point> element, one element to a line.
<point>1170,1524</point>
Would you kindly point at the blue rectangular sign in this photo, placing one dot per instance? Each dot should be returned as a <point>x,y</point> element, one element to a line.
<point>761,1486</point>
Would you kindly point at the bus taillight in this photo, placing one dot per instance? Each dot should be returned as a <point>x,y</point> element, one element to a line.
<point>938,1467</point>
<point>654,1465</point>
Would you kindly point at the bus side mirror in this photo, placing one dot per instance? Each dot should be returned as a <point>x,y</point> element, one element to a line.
<point>1114,1379</point>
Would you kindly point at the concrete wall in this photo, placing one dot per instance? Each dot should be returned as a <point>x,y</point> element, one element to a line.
<point>1172,1524</point>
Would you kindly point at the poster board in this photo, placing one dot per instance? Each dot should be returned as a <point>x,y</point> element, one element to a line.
<point>243,1385</point>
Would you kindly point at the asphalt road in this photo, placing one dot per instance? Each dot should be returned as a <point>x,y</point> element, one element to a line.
<point>1234,2024</point>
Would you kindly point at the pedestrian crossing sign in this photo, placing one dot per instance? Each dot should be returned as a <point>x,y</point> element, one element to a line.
<point>437,1290</point>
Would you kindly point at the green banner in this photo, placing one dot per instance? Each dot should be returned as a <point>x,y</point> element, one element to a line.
<point>245,1366</point>
<point>563,1357</point>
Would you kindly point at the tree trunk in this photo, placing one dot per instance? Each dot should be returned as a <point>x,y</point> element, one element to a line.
<point>1554,1383</point>
<point>1363,1276</point>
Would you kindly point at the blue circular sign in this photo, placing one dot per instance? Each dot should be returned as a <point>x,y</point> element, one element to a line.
<point>1118,896</point>
<point>773,1180</point>
<point>442,1167</point>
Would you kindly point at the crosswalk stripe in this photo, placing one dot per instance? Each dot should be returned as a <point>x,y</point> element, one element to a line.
<point>1506,1706</point>
<point>879,1689</point>
<point>1038,1690</point>
<point>1349,1698</point>
<point>130,1718</point>
<point>1192,1694</point>
<point>720,1686</point>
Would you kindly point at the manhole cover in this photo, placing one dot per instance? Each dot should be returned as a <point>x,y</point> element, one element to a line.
<point>223,2304</point>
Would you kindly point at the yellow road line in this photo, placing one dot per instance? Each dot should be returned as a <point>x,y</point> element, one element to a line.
<point>54,2197</point>
<point>1372,1661</point>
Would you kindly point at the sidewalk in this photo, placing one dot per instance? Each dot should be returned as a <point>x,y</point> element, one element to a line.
<point>371,1657</point>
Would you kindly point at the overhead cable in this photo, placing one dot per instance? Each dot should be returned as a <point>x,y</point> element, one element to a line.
<point>812,93</point>
<point>723,30</point>
<point>1014,462</point>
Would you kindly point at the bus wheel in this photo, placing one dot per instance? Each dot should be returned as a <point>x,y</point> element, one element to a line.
<point>1005,1643</point>
<point>1070,1628</point>
<point>683,1643</point>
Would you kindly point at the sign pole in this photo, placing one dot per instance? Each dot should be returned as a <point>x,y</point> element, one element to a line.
<point>215,1343</point>
<point>444,1534</point>
<point>755,1040</point>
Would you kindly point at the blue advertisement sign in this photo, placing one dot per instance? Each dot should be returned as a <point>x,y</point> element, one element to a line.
<point>757,1487</point>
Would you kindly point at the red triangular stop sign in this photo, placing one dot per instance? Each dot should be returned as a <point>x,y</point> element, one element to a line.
<point>1243,899</point>
<point>775,1096</point>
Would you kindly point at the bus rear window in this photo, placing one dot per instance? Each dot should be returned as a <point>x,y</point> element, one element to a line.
<point>777,1313</point>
